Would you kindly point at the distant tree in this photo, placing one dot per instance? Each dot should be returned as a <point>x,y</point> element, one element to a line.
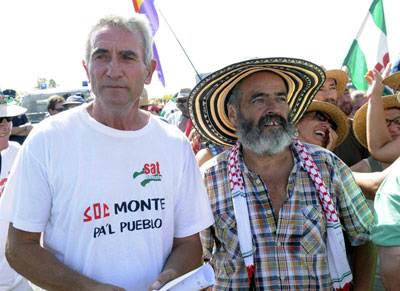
<point>40,81</point>
<point>166,98</point>
<point>52,83</point>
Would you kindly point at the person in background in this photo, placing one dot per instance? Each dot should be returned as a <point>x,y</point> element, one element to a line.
<point>391,110</point>
<point>144,100</point>
<point>9,279</point>
<point>116,212</point>
<point>323,124</point>
<point>73,101</point>
<point>345,103</point>
<point>350,150</point>
<point>386,229</point>
<point>21,124</point>
<point>181,118</point>
<point>393,80</point>
<point>55,104</point>
<point>381,131</point>
<point>391,115</point>
<point>153,109</point>
<point>359,99</point>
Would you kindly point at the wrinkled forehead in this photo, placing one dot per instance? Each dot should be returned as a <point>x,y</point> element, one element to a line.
<point>267,75</point>
<point>109,35</point>
<point>330,82</point>
<point>390,113</point>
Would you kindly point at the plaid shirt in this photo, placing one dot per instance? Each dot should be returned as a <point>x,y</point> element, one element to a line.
<point>290,252</point>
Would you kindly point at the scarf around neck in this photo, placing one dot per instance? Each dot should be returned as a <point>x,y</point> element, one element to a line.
<point>341,276</point>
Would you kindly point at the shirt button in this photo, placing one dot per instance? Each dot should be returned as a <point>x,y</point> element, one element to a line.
<point>278,244</point>
<point>283,278</point>
<point>258,181</point>
<point>269,211</point>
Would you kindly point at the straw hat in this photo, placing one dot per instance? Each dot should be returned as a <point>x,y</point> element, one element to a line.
<point>8,107</point>
<point>208,100</point>
<point>392,80</point>
<point>337,116</point>
<point>144,98</point>
<point>360,118</point>
<point>341,79</point>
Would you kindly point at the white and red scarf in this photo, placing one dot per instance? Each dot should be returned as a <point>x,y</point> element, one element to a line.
<point>341,276</point>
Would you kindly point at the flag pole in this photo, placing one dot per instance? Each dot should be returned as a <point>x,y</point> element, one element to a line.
<point>159,10</point>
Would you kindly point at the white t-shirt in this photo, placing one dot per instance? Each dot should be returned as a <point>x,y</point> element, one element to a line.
<point>109,201</point>
<point>8,277</point>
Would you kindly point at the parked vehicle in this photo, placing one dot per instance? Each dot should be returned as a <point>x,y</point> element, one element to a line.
<point>36,102</point>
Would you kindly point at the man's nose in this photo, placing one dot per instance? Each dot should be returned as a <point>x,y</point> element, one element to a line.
<point>271,107</point>
<point>114,69</point>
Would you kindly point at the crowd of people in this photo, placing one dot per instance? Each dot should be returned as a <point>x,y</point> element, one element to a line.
<point>273,170</point>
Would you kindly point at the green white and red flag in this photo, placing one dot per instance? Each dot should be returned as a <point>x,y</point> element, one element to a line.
<point>369,50</point>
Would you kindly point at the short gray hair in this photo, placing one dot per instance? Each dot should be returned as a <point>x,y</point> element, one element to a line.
<point>235,96</point>
<point>138,22</point>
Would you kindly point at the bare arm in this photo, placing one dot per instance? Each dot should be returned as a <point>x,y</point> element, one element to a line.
<point>203,156</point>
<point>27,257</point>
<point>380,143</point>
<point>365,257</point>
<point>185,256</point>
<point>368,182</point>
<point>390,267</point>
<point>22,130</point>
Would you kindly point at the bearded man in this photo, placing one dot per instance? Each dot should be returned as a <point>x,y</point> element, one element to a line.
<point>279,206</point>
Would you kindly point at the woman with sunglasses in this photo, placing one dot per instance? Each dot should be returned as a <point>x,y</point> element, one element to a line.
<point>9,279</point>
<point>391,120</point>
<point>323,124</point>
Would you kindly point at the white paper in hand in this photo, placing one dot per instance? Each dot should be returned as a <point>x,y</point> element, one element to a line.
<point>193,281</point>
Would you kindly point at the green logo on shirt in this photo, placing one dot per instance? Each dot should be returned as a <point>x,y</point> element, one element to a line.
<point>151,172</point>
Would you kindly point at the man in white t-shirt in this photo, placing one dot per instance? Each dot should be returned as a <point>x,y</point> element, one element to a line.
<point>115,191</point>
<point>9,279</point>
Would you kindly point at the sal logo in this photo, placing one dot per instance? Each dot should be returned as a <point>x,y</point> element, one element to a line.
<point>149,173</point>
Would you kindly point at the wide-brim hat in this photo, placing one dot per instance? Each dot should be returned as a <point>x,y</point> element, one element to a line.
<point>337,116</point>
<point>74,99</point>
<point>360,118</point>
<point>392,80</point>
<point>341,79</point>
<point>209,99</point>
<point>8,108</point>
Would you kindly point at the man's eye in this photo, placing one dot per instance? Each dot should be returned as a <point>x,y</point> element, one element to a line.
<point>99,57</point>
<point>258,100</point>
<point>128,58</point>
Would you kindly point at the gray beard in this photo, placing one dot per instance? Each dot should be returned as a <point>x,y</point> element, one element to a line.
<point>252,138</point>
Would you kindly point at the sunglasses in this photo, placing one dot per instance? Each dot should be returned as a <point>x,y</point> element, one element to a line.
<point>8,119</point>
<point>181,100</point>
<point>324,118</point>
<point>396,121</point>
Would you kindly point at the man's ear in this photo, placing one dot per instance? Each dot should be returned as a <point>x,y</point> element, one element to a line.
<point>232,114</point>
<point>150,70</point>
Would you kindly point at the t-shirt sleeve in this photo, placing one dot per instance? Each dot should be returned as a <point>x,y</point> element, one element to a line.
<point>27,199</point>
<point>386,230</point>
<point>192,207</point>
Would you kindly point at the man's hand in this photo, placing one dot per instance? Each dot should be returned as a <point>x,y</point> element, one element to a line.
<point>185,256</point>
<point>162,279</point>
<point>374,79</point>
